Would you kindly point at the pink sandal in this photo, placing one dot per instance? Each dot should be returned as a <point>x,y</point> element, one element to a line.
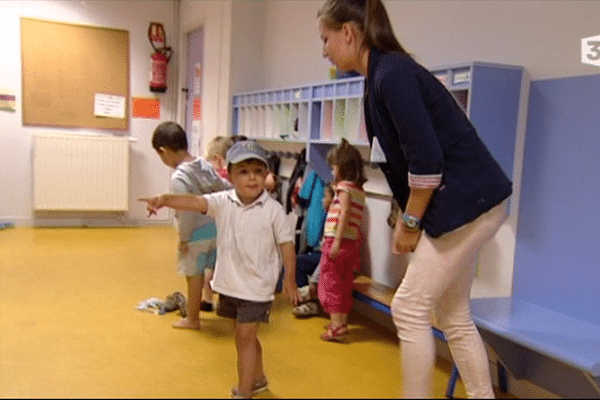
<point>334,334</point>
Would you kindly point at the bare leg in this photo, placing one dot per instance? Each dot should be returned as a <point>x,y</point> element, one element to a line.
<point>337,328</point>
<point>194,288</point>
<point>249,354</point>
<point>207,293</point>
<point>339,319</point>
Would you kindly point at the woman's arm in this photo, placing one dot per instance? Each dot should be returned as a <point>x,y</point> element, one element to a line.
<point>405,239</point>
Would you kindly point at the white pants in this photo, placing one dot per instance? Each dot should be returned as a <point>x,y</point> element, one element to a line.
<point>438,282</point>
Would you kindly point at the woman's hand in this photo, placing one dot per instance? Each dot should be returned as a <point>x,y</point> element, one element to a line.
<point>405,240</point>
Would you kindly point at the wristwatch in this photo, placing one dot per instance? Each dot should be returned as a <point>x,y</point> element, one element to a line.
<point>411,222</point>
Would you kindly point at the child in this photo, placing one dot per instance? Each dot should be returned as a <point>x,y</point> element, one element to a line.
<point>308,271</point>
<point>252,229</point>
<point>217,152</point>
<point>341,252</point>
<point>197,232</point>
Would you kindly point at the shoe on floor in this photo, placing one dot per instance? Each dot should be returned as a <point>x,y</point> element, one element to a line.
<point>257,387</point>
<point>305,310</point>
<point>335,334</point>
<point>206,307</point>
<point>304,294</point>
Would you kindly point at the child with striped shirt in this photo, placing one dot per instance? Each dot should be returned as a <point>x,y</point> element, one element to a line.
<point>341,245</point>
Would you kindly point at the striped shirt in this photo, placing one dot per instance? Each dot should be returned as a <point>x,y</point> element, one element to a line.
<point>357,206</point>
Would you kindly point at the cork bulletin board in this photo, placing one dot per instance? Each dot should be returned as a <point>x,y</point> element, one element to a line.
<point>67,68</point>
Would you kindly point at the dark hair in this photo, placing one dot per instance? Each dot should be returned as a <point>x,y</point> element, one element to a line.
<point>329,189</point>
<point>170,135</point>
<point>238,138</point>
<point>369,16</point>
<point>349,161</point>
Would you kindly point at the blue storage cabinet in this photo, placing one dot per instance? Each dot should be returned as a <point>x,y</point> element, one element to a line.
<point>548,331</point>
<point>318,115</point>
<point>490,94</point>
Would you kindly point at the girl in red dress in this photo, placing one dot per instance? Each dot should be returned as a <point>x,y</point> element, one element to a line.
<point>341,245</point>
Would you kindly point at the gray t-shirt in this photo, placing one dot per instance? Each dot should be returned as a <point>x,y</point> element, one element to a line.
<point>195,177</point>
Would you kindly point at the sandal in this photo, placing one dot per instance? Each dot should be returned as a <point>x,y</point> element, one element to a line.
<point>306,310</point>
<point>257,387</point>
<point>304,294</point>
<point>334,334</point>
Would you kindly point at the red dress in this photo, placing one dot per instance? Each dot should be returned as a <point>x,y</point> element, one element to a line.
<point>337,274</point>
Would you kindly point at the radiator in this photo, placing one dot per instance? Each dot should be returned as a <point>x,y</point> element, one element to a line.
<point>80,172</point>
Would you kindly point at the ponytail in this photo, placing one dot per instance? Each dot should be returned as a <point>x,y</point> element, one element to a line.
<point>369,16</point>
<point>378,29</point>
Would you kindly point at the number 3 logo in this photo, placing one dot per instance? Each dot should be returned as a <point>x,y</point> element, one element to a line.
<point>590,50</point>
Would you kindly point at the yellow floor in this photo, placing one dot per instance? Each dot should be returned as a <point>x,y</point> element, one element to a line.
<point>69,328</point>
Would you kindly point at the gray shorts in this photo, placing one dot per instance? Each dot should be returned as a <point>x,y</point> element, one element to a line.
<point>243,311</point>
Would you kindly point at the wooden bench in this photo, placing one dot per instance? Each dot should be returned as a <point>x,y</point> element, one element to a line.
<point>553,350</point>
<point>379,297</point>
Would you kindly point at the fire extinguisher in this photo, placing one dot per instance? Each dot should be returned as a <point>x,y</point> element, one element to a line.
<point>159,58</point>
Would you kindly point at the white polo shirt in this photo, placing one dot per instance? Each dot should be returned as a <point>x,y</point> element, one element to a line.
<point>248,239</point>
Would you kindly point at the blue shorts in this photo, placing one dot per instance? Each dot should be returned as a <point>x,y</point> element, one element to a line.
<point>201,252</point>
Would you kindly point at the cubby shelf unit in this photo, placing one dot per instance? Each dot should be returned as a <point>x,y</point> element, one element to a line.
<point>320,114</point>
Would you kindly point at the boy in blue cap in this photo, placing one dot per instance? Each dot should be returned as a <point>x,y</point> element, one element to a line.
<point>252,232</point>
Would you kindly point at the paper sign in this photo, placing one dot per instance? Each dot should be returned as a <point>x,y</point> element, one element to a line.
<point>7,102</point>
<point>197,79</point>
<point>143,107</point>
<point>106,105</point>
<point>461,77</point>
<point>197,109</point>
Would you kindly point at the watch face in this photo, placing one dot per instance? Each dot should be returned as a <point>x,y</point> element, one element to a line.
<point>410,221</point>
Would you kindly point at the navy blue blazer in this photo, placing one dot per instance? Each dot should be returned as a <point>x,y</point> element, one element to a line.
<point>428,141</point>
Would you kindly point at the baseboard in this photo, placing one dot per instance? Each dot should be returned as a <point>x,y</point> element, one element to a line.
<point>99,221</point>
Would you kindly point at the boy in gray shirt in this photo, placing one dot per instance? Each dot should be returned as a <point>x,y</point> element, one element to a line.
<point>197,232</point>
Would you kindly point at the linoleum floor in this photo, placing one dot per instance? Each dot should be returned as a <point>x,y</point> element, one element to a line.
<point>69,328</point>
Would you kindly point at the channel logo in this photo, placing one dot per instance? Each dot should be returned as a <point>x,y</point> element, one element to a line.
<point>590,50</point>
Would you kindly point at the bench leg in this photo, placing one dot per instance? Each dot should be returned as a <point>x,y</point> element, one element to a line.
<point>502,381</point>
<point>452,382</point>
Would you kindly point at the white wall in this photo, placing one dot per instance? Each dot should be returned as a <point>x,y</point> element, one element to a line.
<point>147,174</point>
<point>247,70</point>
<point>542,36</point>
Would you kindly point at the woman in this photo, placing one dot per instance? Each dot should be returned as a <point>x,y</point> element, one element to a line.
<point>445,180</point>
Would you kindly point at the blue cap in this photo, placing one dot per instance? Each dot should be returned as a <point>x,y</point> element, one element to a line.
<point>246,150</point>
